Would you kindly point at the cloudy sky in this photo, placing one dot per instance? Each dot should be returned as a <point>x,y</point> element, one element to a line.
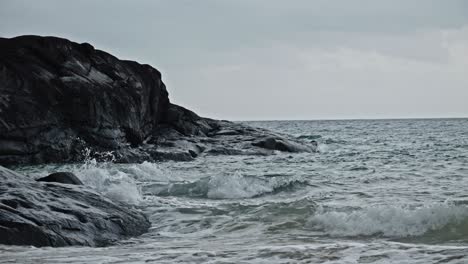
<point>272,59</point>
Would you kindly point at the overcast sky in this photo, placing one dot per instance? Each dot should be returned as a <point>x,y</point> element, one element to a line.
<point>272,59</point>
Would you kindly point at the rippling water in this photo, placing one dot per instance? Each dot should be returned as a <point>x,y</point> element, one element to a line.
<point>379,191</point>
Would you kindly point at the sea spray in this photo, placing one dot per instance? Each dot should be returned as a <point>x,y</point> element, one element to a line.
<point>106,178</point>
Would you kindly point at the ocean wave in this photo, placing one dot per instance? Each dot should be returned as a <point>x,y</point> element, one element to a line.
<point>226,186</point>
<point>391,222</point>
<point>116,182</point>
<point>107,179</point>
<point>149,171</point>
<point>335,141</point>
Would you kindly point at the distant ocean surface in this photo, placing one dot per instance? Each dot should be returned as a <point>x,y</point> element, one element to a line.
<point>378,191</point>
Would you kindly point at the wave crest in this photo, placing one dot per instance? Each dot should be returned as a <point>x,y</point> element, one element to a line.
<point>226,186</point>
<point>393,222</point>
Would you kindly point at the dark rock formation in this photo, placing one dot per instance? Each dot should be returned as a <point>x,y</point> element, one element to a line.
<point>51,214</point>
<point>59,97</point>
<point>281,144</point>
<point>56,94</point>
<point>62,177</point>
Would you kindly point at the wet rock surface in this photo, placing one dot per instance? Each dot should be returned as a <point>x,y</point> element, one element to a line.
<point>54,214</point>
<point>59,98</point>
<point>62,177</point>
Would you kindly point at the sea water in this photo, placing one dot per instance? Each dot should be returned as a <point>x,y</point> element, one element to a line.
<point>378,191</point>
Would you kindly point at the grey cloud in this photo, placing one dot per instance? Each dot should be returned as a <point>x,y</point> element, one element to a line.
<point>272,59</point>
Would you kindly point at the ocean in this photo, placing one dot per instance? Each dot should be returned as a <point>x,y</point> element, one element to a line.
<point>377,191</point>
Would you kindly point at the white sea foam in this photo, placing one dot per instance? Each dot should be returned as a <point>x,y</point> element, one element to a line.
<point>222,186</point>
<point>107,179</point>
<point>119,182</point>
<point>150,171</point>
<point>388,221</point>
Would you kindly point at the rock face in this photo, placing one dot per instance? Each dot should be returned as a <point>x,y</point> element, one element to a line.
<point>62,177</point>
<point>59,97</point>
<point>54,214</point>
<point>55,94</point>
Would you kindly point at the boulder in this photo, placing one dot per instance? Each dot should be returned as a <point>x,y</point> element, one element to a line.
<point>62,177</point>
<point>47,214</point>
<point>282,144</point>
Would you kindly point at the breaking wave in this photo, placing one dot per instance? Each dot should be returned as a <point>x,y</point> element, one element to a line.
<point>118,182</point>
<point>226,186</point>
<point>107,179</point>
<point>393,222</point>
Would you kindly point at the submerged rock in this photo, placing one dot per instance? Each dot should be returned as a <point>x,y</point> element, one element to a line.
<point>281,144</point>
<point>48,214</point>
<point>58,98</point>
<point>62,177</point>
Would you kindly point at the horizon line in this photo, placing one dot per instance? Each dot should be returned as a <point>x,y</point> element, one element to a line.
<point>350,119</point>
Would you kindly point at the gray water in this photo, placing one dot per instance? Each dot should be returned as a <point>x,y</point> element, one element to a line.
<point>379,191</point>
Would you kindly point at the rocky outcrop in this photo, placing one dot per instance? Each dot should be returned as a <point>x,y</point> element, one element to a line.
<point>278,143</point>
<point>58,98</point>
<point>225,138</point>
<point>62,177</point>
<point>57,95</point>
<point>55,214</point>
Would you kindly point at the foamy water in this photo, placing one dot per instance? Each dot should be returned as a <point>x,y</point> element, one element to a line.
<point>382,191</point>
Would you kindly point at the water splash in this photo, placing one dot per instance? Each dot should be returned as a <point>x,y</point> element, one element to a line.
<point>107,179</point>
